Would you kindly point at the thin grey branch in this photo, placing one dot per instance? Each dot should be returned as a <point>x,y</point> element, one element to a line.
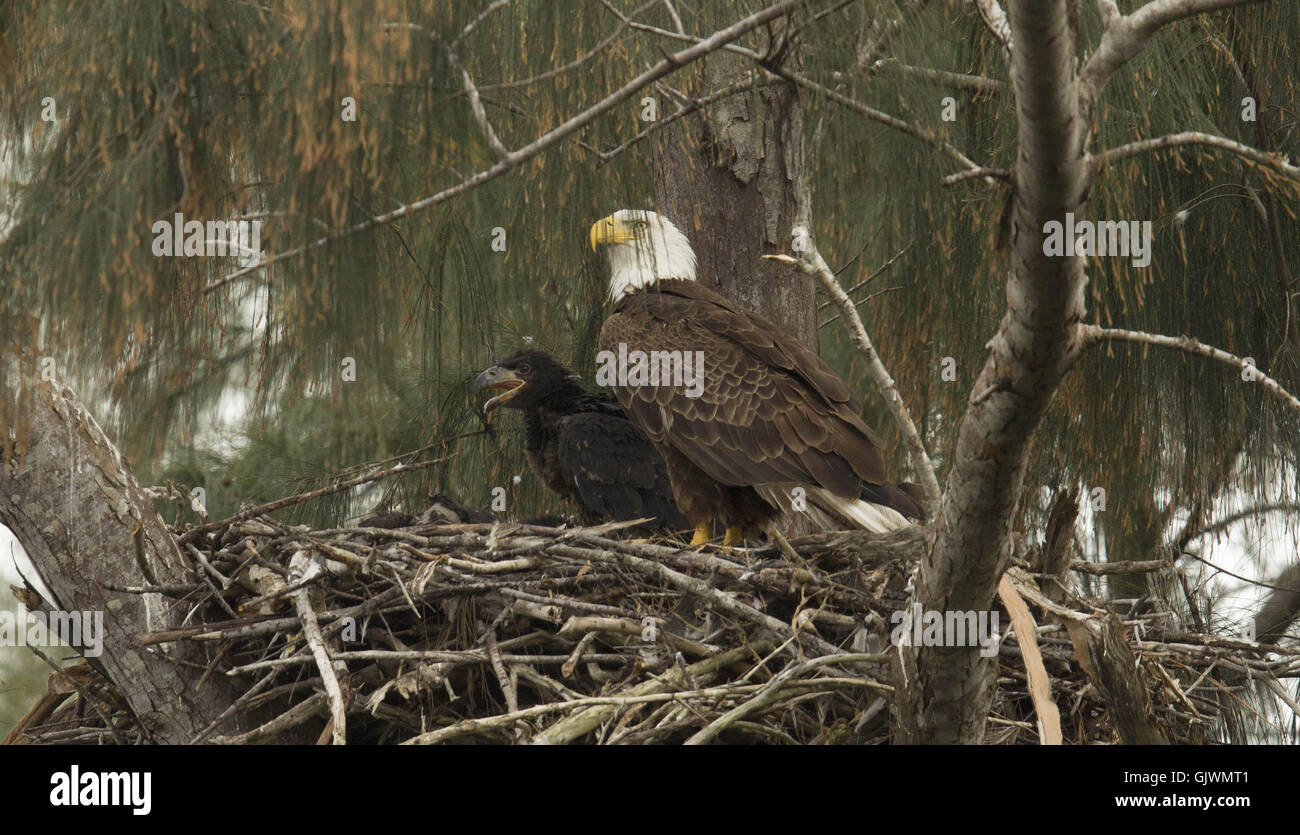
<point>1094,334</point>
<point>476,107</point>
<point>943,78</point>
<point>1272,161</point>
<point>479,18</point>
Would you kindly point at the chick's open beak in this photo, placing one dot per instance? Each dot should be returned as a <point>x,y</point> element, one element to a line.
<point>497,377</point>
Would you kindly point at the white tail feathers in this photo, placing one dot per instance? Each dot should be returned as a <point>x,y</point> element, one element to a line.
<point>830,512</point>
<point>861,513</point>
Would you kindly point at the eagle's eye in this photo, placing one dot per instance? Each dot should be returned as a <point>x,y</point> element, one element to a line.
<point>525,368</point>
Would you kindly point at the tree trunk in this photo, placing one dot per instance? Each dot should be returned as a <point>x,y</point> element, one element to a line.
<point>70,499</point>
<point>945,693</point>
<point>727,179</point>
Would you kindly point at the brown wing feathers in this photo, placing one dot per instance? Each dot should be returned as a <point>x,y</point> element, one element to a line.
<point>770,410</point>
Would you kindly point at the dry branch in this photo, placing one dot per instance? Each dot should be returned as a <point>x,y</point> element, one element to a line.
<point>1272,161</point>
<point>1040,687</point>
<point>1109,661</point>
<point>1095,334</point>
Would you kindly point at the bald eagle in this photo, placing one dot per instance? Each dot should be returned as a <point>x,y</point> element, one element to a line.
<point>582,444</point>
<point>765,428</point>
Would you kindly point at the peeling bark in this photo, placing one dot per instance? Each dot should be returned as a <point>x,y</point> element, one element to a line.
<point>69,497</point>
<point>728,180</point>
<point>1113,668</point>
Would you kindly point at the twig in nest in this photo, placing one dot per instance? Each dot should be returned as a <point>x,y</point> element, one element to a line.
<point>311,631</point>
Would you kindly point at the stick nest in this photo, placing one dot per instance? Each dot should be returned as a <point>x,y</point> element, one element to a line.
<point>496,632</point>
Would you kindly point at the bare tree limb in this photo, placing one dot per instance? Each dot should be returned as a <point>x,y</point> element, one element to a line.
<point>575,726</point>
<point>476,106</point>
<point>996,20</point>
<point>667,33</point>
<point>771,692</point>
<point>873,114</point>
<point>268,507</point>
<point>1094,334</point>
<point>1221,570</point>
<point>834,95</point>
<point>956,80</point>
<point>603,45</point>
<point>884,26</point>
<point>672,12</point>
<point>1278,690</point>
<point>1126,35</point>
<point>1103,569</point>
<point>499,667</point>
<point>943,694</point>
<point>875,274</point>
<point>1109,12</point>
<point>971,173</point>
<point>303,564</point>
<point>1233,518</point>
<point>479,18</point>
<point>1272,161</point>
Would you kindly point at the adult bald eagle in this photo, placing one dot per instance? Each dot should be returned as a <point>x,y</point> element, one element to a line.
<point>764,416</point>
<point>582,444</point>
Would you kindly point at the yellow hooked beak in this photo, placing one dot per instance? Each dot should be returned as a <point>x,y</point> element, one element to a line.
<point>610,230</point>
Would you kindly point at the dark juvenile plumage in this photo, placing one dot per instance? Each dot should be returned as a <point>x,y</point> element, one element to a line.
<point>582,444</point>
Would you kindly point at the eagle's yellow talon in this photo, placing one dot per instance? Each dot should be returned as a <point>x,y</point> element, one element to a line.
<point>703,532</point>
<point>734,535</point>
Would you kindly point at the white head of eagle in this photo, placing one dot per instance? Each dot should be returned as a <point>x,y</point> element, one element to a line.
<point>643,247</point>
